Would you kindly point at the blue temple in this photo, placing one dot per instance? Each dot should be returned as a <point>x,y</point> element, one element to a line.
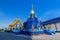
<point>34,26</point>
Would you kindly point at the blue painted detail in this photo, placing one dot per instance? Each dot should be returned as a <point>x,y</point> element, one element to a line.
<point>17,31</point>
<point>28,26</point>
<point>52,21</point>
<point>50,32</point>
<point>35,22</point>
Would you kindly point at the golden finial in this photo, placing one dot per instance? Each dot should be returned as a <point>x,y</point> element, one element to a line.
<point>32,11</point>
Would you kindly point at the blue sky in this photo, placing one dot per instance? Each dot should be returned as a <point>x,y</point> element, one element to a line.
<point>12,9</point>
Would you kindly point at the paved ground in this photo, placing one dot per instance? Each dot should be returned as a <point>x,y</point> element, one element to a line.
<point>47,37</point>
<point>10,36</point>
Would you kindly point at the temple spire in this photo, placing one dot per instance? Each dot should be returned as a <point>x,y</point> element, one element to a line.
<point>32,7</point>
<point>32,11</point>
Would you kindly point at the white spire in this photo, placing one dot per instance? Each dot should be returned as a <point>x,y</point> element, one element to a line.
<point>24,20</point>
<point>28,16</point>
<point>40,19</point>
<point>32,11</point>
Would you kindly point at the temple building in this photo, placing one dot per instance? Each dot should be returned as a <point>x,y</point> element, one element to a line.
<point>32,25</point>
<point>54,23</point>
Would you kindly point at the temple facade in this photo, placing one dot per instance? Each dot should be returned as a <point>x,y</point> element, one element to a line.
<point>32,25</point>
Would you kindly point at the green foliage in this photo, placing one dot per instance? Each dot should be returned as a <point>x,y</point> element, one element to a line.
<point>7,31</point>
<point>1,29</point>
